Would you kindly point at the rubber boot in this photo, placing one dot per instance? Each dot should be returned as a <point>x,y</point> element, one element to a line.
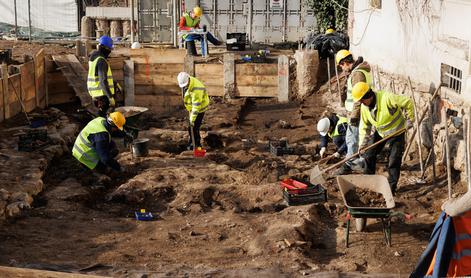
<point>191,48</point>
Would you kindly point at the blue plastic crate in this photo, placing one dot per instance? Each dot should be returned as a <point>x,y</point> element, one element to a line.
<point>143,215</point>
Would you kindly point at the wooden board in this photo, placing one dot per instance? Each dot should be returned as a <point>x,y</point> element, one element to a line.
<point>15,272</point>
<point>157,90</point>
<point>61,98</point>
<point>14,88</point>
<point>159,103</point>
<point>216,70</point>
<point>170,69</point>
<point>256,69</point>
<point>76,75</point>
<point>215,91</point>
<point>251,91</point>
<point>166,80</point>
<point>155,55</point>
<point>28,87</point>
<point>40,76</point>
<point>2,111</point>
<point>257,80</point>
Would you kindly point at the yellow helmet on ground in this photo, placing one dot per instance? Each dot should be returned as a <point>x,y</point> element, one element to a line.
<point>329,31</point>
<point>197,11</point>
<point>118,119</point>
<point>359,90</point>
<point>341,54</point>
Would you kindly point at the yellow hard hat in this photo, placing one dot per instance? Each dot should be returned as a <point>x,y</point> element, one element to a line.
<point>197,11</point>
<point>359,90</point>
<point>329,31</point>
<point>341,54</point>
<point>118,119</point>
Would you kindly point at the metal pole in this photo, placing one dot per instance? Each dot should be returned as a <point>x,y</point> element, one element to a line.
<point>132,21</point>
<point>434,173</point>
<point>466,147</point>
<point>16,21</point>
<point>417,124</point>
<point>338,85</point>
<point>249,20</point>
<point>328,74</point>
<point>447,150</point>
<point>468,144</point>
<point>29,19</point>
<point>175,22</point>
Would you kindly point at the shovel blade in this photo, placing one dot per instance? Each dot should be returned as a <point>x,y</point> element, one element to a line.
<point>316,176</point>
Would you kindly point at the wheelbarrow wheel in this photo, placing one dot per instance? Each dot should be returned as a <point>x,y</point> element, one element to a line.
<point>360,224</point>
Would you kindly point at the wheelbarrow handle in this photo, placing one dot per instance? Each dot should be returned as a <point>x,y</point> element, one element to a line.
<point>400,131</point>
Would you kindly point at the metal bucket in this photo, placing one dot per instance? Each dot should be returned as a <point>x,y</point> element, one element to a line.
<point>140,147</point>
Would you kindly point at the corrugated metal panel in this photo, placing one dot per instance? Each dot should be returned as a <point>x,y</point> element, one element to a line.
<point>288,22</point>
<point>155,24</point>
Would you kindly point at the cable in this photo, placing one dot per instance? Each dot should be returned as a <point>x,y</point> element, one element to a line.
<point>364,31</point>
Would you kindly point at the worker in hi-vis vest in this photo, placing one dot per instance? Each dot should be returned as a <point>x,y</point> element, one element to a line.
<point>196,101</point>
<point>383,112</point>
<point>333,127</point>
<point>94,147</point>
<point>190,21</point>
<point>358,71</point>
<point>100,83</point>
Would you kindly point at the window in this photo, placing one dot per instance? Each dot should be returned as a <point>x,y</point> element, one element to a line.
<point>452,77</point>
<point>376,4</point>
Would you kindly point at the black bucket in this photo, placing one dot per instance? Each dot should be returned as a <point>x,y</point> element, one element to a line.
<point>140,147</point>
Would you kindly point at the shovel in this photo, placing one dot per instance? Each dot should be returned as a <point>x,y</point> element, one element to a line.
<point>316,173</point>
<point>197,152</point>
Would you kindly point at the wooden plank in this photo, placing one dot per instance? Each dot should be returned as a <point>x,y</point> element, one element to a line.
<point>15,272</point>
<point>6,92</point>
<point>154,55</point>
<point>76,75</point>
<point>40,77</point>
<point>189,65</point>
<point>28,87</point>
<point>118,74</point>
<point>157,90</point>
<point>256,69</point>
<point>116,62</point>
<point>257,80</point>
<point>215,91</point>
<point>159,103</point>
<point>216,70</point>
<point>251,91</point>
<point>170,69</point>
<point>62,98</point>
<point>283,78</point>
<point>14,84</point>
<point>129,82</point>
<point>2,116</point>
<point>169,80</point>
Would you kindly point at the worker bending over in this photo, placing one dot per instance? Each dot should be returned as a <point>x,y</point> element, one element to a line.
<point>196,101</point>
<point>100,83</point>
<point>333,127</point>
<point>358,71</point>
<point>383,111</point>
<point>94,147</point>
<point>190,21</point>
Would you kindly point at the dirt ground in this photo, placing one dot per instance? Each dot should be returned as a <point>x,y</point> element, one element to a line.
<point>222,215</point>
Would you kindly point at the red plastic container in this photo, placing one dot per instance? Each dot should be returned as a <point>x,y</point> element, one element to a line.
<point>199,152</point>
<point>292,184</point>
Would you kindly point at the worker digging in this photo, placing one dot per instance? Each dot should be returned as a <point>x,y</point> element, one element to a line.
<point>229,139</point>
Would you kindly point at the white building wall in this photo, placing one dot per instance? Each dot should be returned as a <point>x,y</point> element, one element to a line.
<point>413,38</point>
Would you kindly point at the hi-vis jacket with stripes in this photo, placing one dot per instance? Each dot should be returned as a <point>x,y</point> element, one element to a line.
<point>93,81</point>
<point>83,149</point>
<point>196,98</point>
<point>387,116</point>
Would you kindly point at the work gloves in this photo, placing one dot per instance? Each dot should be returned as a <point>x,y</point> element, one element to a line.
<point>112,102</point>
<point>409,124</point>
<point>322,152</point>
<point>336,155</point>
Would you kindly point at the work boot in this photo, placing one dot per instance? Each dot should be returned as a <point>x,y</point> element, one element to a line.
<point>189,147</point>
<point>343,170</point>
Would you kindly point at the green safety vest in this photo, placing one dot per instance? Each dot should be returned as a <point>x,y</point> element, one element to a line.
<point>335,132</point>
<point>196,98</point>
<point>93,82</point>
<point>387,118</point>
<point>190,22</point>
<point>83,149</point>
<point>349,101</point>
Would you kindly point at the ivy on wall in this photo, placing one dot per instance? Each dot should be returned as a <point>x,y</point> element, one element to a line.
<point>330,14</point>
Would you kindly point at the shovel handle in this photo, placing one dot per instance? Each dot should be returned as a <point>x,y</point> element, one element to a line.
<point>400,131</point>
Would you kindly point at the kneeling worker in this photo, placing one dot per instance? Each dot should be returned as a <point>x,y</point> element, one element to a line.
<point>94,147</point>
<point>383,111</point>
<point>196,101</point>
<point>334,127</point>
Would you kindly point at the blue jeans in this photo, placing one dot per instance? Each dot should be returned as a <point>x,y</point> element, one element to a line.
<point>352,141</point>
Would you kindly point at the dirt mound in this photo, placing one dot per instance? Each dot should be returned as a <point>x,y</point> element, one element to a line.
<point>359,197</point>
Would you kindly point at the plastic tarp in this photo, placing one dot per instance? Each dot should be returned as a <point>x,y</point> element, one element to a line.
<point>46,15</point>
<point>327,44</point>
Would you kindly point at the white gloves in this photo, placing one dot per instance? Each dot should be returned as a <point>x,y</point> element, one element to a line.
<point>336,155</point>
<point>322,152</point>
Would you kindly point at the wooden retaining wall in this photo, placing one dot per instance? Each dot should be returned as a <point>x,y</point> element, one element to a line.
<point>24,90</point>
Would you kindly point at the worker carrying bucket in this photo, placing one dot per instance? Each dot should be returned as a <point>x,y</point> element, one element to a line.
<point>383,111</point>
<point>196,101</point>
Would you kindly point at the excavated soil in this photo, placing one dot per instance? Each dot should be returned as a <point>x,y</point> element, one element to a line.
<point>218,216</point>
<point>359,197</point>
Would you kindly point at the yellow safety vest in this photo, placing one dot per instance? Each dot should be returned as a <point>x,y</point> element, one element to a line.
<point>196,99</point>
<point>190,22</point>
<point>387,118</point>
<point>83,149</point>
<point>335,132</point>
<point>349,101</point>
<point>93,82</point>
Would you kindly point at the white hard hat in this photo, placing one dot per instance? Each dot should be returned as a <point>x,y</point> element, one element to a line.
<point>135,45</point>
<point>183,79</point>
<point>323,126</point>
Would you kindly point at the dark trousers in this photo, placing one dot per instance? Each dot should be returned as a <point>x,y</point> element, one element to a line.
<point>395,158</point>
<point>190,42</point>
<point>196,130</point>
<point>103,105</point>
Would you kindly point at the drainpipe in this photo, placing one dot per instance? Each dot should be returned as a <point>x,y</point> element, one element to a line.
<point>16,22</point>
<point>174,22</point>
<point>29,19</point>
<point>132,21</point>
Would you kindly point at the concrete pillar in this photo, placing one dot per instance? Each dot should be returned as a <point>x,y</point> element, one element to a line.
<point>283,78</point>
<point>229,75</point>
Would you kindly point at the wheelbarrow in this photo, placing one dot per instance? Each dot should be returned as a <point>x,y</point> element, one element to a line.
<point>132,114</point>
<point>375,183</point>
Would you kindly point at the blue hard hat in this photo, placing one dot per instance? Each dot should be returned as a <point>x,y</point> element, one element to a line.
<point>106,41</point>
